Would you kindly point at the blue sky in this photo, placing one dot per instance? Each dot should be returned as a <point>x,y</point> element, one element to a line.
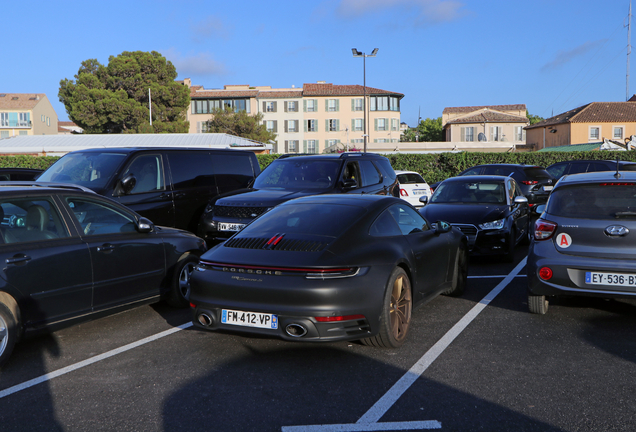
<point>550,55</point>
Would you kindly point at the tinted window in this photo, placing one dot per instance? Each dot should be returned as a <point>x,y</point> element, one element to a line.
<point>408,219</point>
<point>33,219</point>
<point>385,226</point>
<point>578,167</point>
<point>313,219</point>
<point>99,218</point>
<point>594,202</point>
<point>191,169</point>
<point>298,174</point>
<point>470,192</point>
<point>233,164</point>
<point>536,173</point>
<point>557,170</point>
<point>628,167</point>
<point>90,169</point>
<point>410,178</point>
<point>148,170</point>
<point>472,171</point>
<point>370,174</point>
<point>498,170</point>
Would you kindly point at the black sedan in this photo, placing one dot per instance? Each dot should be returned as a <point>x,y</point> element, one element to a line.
<point>490,210</point>
<point>69,255</point>
<point>329,267</point>
<point>584,241</point>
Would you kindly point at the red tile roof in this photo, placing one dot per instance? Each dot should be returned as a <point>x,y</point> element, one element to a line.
<point>468,109</point>
<point>343,90</point>
<point>25,101</point>
<point>594,112</point>
<point>197,92</point>
<point>490,117</point>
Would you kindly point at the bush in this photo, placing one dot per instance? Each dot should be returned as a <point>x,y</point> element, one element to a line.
<point>27,161</point>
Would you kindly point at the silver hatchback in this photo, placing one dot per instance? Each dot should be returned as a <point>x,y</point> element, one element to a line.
<point>585,240</point>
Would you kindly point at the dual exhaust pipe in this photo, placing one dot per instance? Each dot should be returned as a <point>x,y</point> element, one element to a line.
<point>294,330</point>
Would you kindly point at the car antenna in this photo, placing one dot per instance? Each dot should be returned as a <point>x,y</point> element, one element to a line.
<point>617,175</point>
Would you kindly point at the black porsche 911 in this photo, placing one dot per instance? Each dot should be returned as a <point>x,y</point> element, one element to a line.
<point>490,210</point>
<point>329,267</point>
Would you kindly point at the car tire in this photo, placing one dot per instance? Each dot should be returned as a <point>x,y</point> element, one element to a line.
<point>460,275</point>
<point>509,256</point>
<point>396,312</point>
<point>8,332</point>
<point>537,304</point>
<point>179,295</point>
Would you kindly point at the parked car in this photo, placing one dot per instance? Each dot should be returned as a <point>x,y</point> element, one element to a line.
<point>329,267</point>
<point>19,174</point>
<point>535,182</point>
<point>490,210</point>
<point>584,241</point>
<point>292,177</point>
<point>559,169</point>
<point>413,187</point>
<point>70,255</point>
<point>170,186</point>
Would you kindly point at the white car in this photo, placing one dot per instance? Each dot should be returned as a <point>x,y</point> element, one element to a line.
<point>413,187</point>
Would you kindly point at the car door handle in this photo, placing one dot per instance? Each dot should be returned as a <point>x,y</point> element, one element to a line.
<point>19,259</point>
<point>164,196</point>
<point>106,248</point>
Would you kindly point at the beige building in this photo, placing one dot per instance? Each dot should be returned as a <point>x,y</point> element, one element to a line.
<point>26,114</point>
<point>591,123</point>
<point>309,119</point>
<point>492,123</point>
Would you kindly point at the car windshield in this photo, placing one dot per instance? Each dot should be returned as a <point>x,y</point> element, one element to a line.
<point>410,178</point>
<point>309,219</point>
<point>470,192</point>
<point>611,200</point>
<point>298,174</point>
<point>88,169</point>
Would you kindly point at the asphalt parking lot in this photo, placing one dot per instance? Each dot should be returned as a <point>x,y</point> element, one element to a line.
<point>478,362</point>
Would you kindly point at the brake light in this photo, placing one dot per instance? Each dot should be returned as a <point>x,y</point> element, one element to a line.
<point>403,192</point>
<point>529,182</point>
<point>545,273</point>
<point>543,229</point>
<point>617,184</point>
<point>339,318</point>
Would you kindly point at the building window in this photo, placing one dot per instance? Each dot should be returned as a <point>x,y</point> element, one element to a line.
<point>271,126</point>
<point>595,133</point>
<point>357,104</point>
<point>310,126</point>
<point>394,124</point>
<point>269,106</point>
<point>332,105</point>
<point>312,146</point>
<point>468,134</point>
<point>291,125</point>
<point>358,125</point>
<point>291,106</point>
<point>4,119</point>
<point>618,132</point>
<point>384,103</point>
<point>332,125</point>
<point>380,124</point>
<point>291,146</point>
<point>310,105</point>
<point>495,133</point>
<point>520,133</point>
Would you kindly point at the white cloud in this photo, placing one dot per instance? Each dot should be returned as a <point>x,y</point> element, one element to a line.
<point>419,11</point>
<point>201,64</point>
<point>563,57</point>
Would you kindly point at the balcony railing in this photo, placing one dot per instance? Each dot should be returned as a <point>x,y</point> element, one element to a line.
<point>15,124</point>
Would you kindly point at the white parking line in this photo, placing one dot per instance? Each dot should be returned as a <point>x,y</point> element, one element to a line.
<point>369,421</point>
<point>89,361</point>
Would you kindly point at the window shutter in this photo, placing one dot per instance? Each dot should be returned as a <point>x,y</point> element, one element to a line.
<point>326,105</point>
<point>304,146</point>
<point>304,106</point>
<point>316,105</point>
<point>338,124</point>
<point>327,125</point>
<point>353,106</point>
<point>286,146</point>
<point>337,105</point>
<point>285,106</point>
<point>264,106</point>
<point>353,125</point>
<point>463,134</point>
<point>375,124</point>
<point>274,106</point>
<point>305,124</point>
<point>275,125</point>
<point>286,126</point>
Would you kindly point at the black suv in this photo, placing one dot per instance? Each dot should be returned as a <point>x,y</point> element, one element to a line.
<point>536,183</point>
<point>559,169</point>
<point>293,177</point>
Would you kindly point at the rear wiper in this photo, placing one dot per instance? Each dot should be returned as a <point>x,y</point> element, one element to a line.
<point>625,214</point>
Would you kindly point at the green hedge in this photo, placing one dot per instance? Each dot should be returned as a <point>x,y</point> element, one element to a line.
<point>433,167</point>
<point>439,166</point>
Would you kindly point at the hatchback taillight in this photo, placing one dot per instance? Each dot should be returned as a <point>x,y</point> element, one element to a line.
<point>543,229</point>
<point>403,192</point>
<point>529,182</point>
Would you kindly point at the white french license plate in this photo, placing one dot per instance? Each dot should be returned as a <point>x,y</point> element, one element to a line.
<point>230,226</point>
<point>620,279</point>
<point>548,188</point>
<point>249,319</point>
<point>419,192</point>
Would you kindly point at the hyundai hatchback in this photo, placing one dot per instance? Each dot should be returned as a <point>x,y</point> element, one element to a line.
<point>584,241</point>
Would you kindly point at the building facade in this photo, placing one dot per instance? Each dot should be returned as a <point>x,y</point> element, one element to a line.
<point>492,123</point>
<point>311,119</point>
<point>591,123</point>
<point>26,114</point>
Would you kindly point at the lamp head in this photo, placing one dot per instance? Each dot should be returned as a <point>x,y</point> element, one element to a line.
<point>374,52</point>
<point>356,53</point>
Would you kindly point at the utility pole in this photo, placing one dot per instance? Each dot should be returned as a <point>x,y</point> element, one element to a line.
<point>629,44</point>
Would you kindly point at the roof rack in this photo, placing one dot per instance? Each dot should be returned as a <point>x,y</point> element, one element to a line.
<point>36,184</point>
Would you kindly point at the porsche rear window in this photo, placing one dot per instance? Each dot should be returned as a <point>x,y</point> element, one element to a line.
<point>612,200</point>
<point>313,219</point>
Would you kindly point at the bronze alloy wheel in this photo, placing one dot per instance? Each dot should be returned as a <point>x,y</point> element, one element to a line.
<point>400,308</point>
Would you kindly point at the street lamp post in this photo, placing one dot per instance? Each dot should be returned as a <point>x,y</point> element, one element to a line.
<point>364,56</point>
